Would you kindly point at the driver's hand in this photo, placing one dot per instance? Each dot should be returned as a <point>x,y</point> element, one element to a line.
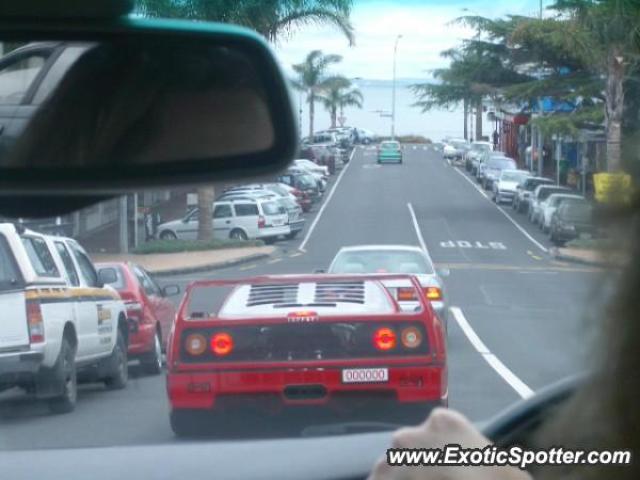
<point>443,427</point>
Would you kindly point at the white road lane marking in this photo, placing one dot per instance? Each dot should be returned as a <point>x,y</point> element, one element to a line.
<point>501,369</point>
<point>416,225</point>
<point>522,230</point>
<point>326,202</point>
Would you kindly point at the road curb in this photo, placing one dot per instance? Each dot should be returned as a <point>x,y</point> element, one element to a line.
<point>580,261</point>
<point>212,266</point>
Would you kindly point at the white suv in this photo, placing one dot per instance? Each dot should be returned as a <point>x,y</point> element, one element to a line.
<point>57,319</point>
<point>241,219</point>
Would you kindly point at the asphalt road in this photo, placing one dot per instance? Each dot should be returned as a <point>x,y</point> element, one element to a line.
<point>520,320</point>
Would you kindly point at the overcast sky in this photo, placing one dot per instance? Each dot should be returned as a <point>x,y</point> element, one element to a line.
<point>425,25</point>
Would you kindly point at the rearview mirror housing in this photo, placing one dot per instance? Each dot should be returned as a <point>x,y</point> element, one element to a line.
<point>226,84</point>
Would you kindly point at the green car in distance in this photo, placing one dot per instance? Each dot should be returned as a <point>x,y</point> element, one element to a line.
<point>390,152</point>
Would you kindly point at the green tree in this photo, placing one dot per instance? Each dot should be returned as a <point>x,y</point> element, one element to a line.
<point>478,69</point>
<point>313,80</point>
<point>271,18</point>
<point>337,95</point>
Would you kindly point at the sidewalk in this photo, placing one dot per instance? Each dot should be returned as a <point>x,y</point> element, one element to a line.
<point>587,256</point>
<point>190,262</point>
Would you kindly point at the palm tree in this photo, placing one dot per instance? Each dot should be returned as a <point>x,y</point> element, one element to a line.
<point>271,18</point>
<point>337,95</point>
<point>312,80</point>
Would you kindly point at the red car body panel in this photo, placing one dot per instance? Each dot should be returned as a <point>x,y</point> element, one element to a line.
<point>157,312</point>
<point>412,378</point>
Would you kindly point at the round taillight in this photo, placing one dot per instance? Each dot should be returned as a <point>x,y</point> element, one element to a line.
<point>411,337</point>
<point>195,344</point>
<point>222,343</point>
<point>384,339</point>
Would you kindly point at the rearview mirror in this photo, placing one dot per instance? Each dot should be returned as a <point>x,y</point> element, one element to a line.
<point>170,290</point>
<point>443,272</point>
<point>133,102</point>
<point>107,276</point>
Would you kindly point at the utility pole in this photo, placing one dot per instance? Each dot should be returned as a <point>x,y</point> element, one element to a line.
<point>393,94</point>
<point>123,224</point>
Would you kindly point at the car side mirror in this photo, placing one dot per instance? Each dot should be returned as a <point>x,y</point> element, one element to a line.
<point>170,290</point>
<point>107,276</point>
<point>443,272</point>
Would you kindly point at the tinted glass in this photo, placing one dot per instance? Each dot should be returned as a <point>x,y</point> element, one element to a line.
<point>67,261</point>
<point>222,211</point>
<point>270,208</point>
<point>86,267</point>
<point>246,210</point>
<point>40,257</point>
<point>119,283</point>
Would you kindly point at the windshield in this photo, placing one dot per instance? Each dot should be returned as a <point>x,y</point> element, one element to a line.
<point>515,297</point>
<point>546,192</point>
<point>512,176</point>
<point>500,163</point>
<point>383,261</point>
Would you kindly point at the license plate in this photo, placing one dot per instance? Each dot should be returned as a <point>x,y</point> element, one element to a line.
<point>365,375</point>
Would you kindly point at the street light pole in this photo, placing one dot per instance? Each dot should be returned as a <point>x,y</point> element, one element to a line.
<point>393,94</point>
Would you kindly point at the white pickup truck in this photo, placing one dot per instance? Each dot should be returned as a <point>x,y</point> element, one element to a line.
<point>59,322</point>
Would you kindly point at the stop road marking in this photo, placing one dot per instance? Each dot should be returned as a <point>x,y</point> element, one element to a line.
<point>476,245</point>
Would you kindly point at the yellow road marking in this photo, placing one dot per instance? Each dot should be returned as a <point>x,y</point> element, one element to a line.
<point>248,267</point>
<point>275,260</point>
<point>293,255</point>
<point>514,268</point>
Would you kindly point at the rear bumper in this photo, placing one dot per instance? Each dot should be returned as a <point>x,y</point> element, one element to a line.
<point>505,196</point>
<point>271,389</point>
<point>18,366</point>
<point>297,226</point>
<point>390,160</point>
<point>270,232</point>
<point>141,339</point>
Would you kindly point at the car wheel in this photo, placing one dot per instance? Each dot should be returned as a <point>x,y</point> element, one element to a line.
<point>189,423</point>
<point>65,369</point>
<point>168,235</point>
<point>118,366</point>
<point>152,362</point>
<point>238,234</point>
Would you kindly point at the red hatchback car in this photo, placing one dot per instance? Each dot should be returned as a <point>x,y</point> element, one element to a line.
<point>150,312</point>
<point>319,341</point>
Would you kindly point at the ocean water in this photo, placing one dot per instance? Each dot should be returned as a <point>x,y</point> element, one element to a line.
<point>377,94</point>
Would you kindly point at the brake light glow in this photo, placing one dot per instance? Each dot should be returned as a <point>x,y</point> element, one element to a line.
<point>35,322</point>
<point>261,222</point>
<point>195,344</point>
<point>384,339</point>
<point>411,337</point>
<point>433,293</point>
<point>406,294</point>
<point>222,344</point>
